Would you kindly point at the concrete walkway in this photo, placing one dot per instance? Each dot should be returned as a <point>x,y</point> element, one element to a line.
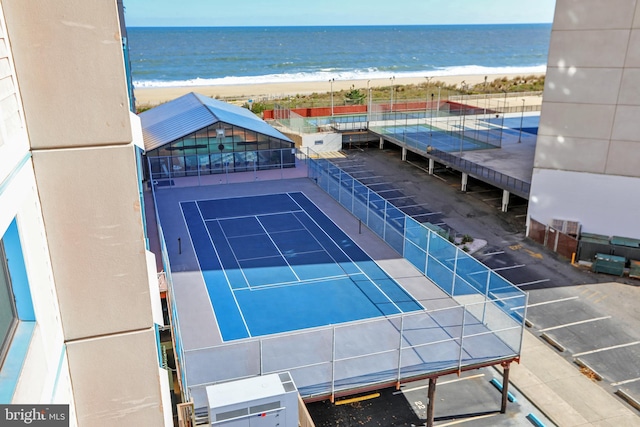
<point>566,396</point>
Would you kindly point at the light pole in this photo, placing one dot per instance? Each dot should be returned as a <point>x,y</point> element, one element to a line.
<point>393,79</point>
<point>431,118</point>
<point>463,86</point>
<point>505,102</point>
<point>426,107</point>
<point>331,82</point>
<point>521,120</point>
<point>368,103</point>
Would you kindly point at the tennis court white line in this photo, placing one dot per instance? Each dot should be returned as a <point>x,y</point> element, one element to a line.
<point>224,271</point>
<point>277,256</point>
<point>613,347</point>
<point>302,282</point>
<point>575,323</point>
<point>348,257</point>
<point>276,246</point>
<point>223,218</point>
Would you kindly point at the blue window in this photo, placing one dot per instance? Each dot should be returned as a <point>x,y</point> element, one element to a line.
<point>17,318</point>
<point>8,314</point>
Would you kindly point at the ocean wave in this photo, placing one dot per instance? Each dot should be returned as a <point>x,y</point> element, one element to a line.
<point>327,74</point>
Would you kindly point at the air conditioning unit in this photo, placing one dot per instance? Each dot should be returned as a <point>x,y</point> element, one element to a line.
<point>571,228</point>
<point>265,401</point>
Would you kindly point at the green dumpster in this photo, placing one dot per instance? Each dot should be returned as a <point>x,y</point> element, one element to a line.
<point>609,264</point>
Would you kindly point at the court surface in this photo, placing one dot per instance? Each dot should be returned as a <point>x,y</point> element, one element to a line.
<point>449,141</point>
<point>276,263</point>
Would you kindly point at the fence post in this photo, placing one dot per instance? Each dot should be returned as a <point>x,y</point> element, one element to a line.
<point>464,315</point>
<point>333,365</point>
<point>400,348</point>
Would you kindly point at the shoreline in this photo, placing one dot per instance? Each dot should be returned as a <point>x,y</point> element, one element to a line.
<point>150,97</point>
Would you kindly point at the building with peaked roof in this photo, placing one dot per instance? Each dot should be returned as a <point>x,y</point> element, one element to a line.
<point>197,135</point>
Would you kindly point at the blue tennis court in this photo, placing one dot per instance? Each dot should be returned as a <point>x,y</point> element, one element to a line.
<point>448,141</point>
<point>512,125</point>
<point>276,263</point>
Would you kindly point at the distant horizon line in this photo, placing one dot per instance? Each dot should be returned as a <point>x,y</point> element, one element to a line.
<point>337,25</point>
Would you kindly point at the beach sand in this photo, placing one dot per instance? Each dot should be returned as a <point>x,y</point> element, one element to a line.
<point>149,97</point>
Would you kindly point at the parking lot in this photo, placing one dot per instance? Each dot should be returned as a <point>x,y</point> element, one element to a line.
<point>469,400</point>
<point>589,319</point>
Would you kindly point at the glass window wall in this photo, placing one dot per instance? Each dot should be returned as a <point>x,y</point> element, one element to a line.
<point>220,148</point>
<point>8,316</point>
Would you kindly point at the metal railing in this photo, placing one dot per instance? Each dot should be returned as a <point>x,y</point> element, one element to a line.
<point>454,271</point>
<point>506,182</point>
<point>484,327</point>
<point>327,360</point>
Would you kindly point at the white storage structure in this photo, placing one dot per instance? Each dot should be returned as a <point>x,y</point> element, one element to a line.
<point>266,401</point>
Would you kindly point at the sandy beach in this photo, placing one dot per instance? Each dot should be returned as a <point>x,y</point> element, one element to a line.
<point>153,96</point>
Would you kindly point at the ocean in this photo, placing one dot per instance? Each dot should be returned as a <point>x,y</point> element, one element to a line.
<point>196,56</point>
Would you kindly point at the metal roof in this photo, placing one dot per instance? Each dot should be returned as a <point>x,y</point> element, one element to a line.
<point>191,112</point>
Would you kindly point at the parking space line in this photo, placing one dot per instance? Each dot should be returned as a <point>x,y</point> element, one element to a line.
<point>509,267</point>
<point>533,283</point>
<point>427,213</point>
<point>606,348</point>
<point>575,323</point>
<point>492,253</point>
<point>625,382</point>
<point>552,301</point>
<point>470,377</point>
<point>543,303</point>
<point>456,422</point>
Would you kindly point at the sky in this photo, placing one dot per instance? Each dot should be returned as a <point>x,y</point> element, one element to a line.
<point>242,13</point>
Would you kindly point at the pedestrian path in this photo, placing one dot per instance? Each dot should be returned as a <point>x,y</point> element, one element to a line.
<point>563,393</point>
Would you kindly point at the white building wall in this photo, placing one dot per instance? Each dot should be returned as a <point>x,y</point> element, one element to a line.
<point>43,376</point>
<point>588,150</point>
<point>322,142</point>
<point>68,177</point>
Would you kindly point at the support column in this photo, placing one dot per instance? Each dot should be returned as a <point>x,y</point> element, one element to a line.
<point>505,200</point>
<point>505,386</point>
<point>404,154</point>
<point>432,164</point>
<point>431,395</point>
<point>465,179</point>
<point>381,143</point>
